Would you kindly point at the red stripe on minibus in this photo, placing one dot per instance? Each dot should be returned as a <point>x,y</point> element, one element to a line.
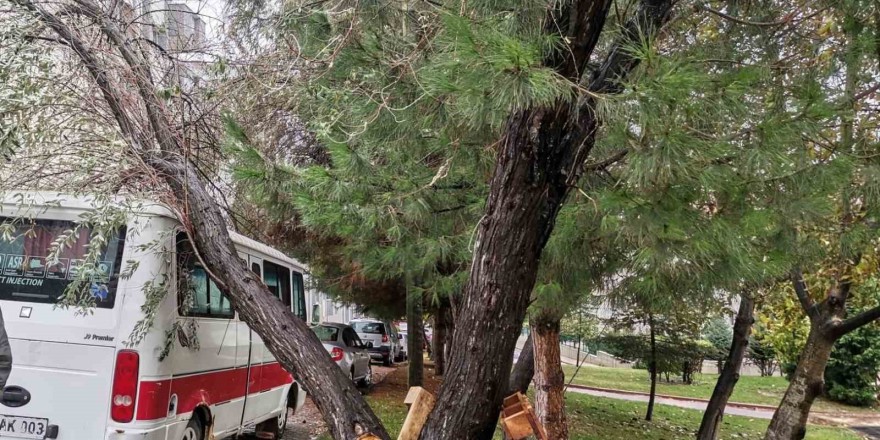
<point>206,388</point>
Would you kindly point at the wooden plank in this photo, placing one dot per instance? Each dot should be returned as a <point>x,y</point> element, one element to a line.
<point>512,409</point>
<point>421,403</point>
<point>518,419</point>
<point>511,399</point>
<point>537,427</point>
<point>518,426</point>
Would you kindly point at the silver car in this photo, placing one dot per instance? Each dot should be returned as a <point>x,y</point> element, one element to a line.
<point>382,335</point>
<point>347,350</point>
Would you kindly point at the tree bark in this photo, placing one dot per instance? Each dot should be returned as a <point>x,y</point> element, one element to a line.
<point>549,378</point>
<point>742,329</point>
<point>540,158</point>
<point>652,367</point>
<point>524,369</point>
<point>415,342</point>
<point>287,337</point>
<point>441,323</point>
<point>790,420</point>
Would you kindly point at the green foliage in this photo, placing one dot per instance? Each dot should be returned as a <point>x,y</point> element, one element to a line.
<point>409,102</point>
<point>782,325</point>
<point>851,374</point>
<point>719,333</point>
<point>761,351</point>
<point>675,355</point>
<point>580,324</point>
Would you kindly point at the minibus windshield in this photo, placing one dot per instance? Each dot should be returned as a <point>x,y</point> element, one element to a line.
<point>28,274</point>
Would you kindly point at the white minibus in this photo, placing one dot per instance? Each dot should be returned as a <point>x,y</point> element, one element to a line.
<point>198,373</point>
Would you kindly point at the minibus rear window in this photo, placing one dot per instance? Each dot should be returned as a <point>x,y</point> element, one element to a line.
<point>27,273</point>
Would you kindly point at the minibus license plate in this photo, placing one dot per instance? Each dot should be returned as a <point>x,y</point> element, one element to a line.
<point>23,427</point>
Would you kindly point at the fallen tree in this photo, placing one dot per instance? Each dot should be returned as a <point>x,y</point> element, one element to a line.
<point>541,155</point>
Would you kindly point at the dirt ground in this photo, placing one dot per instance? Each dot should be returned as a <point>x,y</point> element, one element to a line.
<point>307,424</point>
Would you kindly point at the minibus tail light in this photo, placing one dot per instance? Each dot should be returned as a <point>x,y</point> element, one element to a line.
<point>125,382</point>
<point>336,354</point>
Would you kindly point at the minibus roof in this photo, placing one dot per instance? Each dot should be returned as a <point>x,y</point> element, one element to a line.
<point>84,202</point>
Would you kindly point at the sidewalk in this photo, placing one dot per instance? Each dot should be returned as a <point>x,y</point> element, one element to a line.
<point>866,423</point>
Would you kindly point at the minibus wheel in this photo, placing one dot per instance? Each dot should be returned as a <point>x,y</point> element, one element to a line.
<point>194,429</point>
<point>275,426</point>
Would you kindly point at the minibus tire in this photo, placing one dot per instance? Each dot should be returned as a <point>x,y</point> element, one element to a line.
<point>195,430</point>
<point>275,426</point>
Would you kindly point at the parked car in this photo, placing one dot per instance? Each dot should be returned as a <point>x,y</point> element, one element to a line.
<point>382,335</point>
<point>404,346</point>
<point>347,350</point>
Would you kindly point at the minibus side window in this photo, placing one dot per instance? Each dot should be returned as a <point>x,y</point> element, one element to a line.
<point>207,301</point>
<point>277,279</point>
<point>299,298</point>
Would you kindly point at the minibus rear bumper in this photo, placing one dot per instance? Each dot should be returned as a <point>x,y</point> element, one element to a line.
<point>158,433</point>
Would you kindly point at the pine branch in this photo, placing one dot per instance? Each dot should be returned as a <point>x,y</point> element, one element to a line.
<point>95,69</point>
<point>603,164</point>
<point>787,19</point>
<point>648,19</point>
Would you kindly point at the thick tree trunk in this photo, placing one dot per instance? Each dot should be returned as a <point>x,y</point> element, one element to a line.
<point>808,382</point>
<point>652,369</point>
<point>540,158</point>
<point>742,328</point>
<point>549,379</point>
<point>441,323</point>
<point>524,369</point>
<point>415,339</point>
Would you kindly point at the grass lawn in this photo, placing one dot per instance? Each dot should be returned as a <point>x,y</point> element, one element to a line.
<point>749,389</point>
<point>608,419</point>
<point>604,419</point>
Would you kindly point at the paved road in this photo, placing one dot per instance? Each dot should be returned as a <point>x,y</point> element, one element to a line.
<point>872,432</point>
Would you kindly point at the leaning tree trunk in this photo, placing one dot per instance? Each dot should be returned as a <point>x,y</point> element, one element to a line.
<point>652,367</point>
<point>524,369</point>
<point>549,378</point>
<point>415,342</point>
<point>742,328</point>
<point>287,337</point>
<point>808,382</point>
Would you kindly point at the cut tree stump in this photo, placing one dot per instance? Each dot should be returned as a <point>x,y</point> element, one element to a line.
<point>420,403</point>
<point>518,419</point>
